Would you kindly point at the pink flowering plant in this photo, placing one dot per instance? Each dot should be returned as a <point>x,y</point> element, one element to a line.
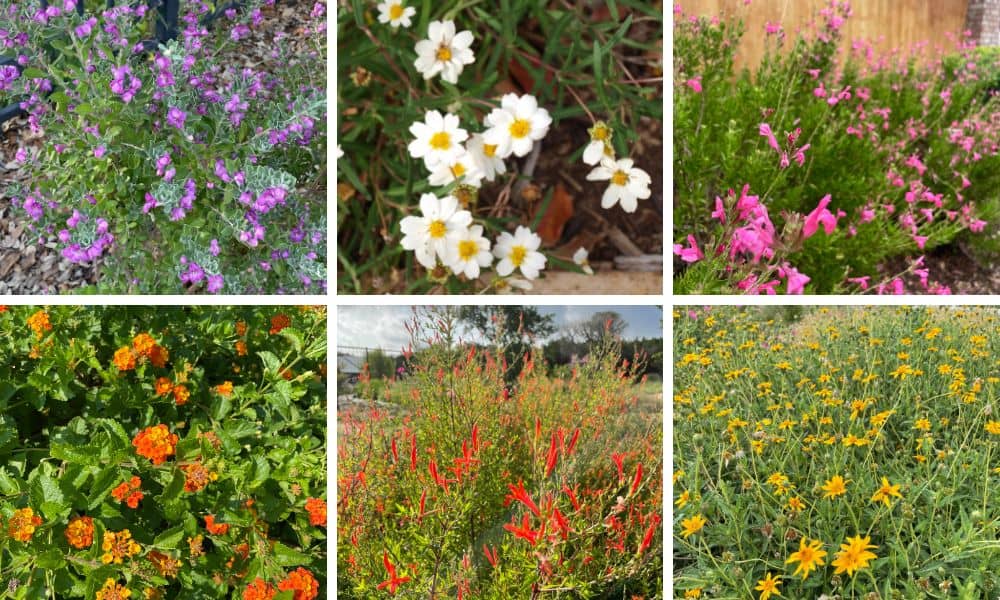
<point>171,165</point>
<point>825,171</point>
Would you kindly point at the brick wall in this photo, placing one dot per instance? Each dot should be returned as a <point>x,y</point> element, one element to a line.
<point>983,19</point>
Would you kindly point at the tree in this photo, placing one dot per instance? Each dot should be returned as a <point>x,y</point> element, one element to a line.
<point>510,329</point>
<point>594,328</point>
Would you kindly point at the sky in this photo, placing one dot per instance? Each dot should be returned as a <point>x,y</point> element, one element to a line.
<point>383,326</point>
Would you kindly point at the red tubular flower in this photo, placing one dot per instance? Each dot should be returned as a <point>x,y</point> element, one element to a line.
<point>618,458</point>
<point>550,460</point>
<point>562,525</point>
<point>538,428</point>
<point>525,531</point>
<point>395,452</point>
<point>393,582</point>
<point>413,453</point>
<point>572,497</point>
<point>521,495</point>
<point>648,538</point>
<point>423,501</point>
<point>637,479</point>
<point>490,557</point>
<point>572,441</point>
<point>438,479</point>
<point>475,437</point>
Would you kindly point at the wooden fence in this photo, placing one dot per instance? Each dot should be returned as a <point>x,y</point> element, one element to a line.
<point>888,23</point>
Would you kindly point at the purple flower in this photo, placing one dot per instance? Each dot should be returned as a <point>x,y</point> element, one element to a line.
<point>176,117</point>
<point>100,151</point>
<point>84,29</point>
<point>213,247</point>
<point>215,283</point>
<point>150,203</point>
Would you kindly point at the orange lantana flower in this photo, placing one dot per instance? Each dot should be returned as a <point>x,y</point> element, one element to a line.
<point>316,507</point>
<point>22,524</point>
<point>279,322</point>
<point>215,528</point>
<point>163,386</point>
<point>225,388</point>
<point>143,344</point>
<point>181,394</point>
<point>302,582</point>
<point>196,477</point>
<point>80,532</point>
<point>39,323</point>
<point>155,443</point>
<point>259,590</point>
<point>124,359</point>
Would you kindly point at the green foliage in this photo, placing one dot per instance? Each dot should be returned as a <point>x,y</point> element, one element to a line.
<point>174,206</point>
<point>770,405</point>
<point>453,414</point>
<point>864,116</point>
<point>572,61</point>
<point>71,420</point>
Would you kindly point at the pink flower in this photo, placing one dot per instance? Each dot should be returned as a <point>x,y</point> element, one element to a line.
<point>772,28</point>
<point>694,83</point>
<point>920,240</point>
<point>861,281</point>
<point>765,130</point>
<point>800,155</point>
<point>690,254</point>
<point>820,215</point>
<point>720,211</point>
<point>914,162</point>
<point>977,226</point>
<point>796,281</point>
<point>867,215</point>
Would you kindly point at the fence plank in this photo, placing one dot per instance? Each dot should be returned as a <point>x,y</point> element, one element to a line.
<point>888,23</point>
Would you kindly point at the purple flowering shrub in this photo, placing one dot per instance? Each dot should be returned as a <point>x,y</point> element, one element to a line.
<point>176,167</point>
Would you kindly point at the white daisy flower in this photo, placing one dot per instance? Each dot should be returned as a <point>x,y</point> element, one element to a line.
<point>470,252</point>
<point>439,139</point>
<point>438,230</point>
<point>394,13</point>
<point>444,51</point>
<point>519,251</point>
<point>600,144</point>
<point>485,156</point>
<point>463,168</point>
<point>516,125</point>
<point>628,183</point>
<point>580,258</point>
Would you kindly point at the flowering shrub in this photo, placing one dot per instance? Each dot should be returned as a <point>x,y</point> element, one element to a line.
<point>111,490</point>
<point>452,483</point>
<point>814,171</point>
<point>851,452</point>
<point>433,136</point>
<point>174,167</point>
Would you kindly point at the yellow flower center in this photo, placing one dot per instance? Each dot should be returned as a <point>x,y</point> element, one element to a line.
<point>441,140</point>
<point>437,229</point>
<point>444,53</point>
<point>619,178</point>
<point>520,128</point>
<point>517,255</point>
<point>600,133</point>
<point>468,249</point>
<point>458,169</point>
<point>490,150</point>
<point>395,11</point>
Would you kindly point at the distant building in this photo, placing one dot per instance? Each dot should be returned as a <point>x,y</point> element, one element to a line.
<point>350,367</point>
